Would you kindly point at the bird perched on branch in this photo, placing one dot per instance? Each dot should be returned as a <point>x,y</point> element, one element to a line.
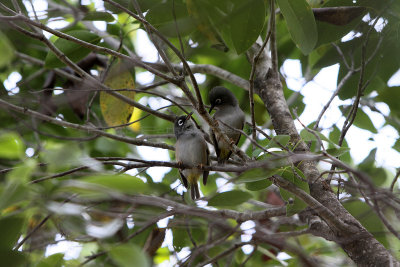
<point>232,117</point>
<point>190,149</point>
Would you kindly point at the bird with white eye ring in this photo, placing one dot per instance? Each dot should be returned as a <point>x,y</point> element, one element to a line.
<point>190,149</point>
<point>228,112</point>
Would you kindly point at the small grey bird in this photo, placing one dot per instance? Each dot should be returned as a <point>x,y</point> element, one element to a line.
<point>228,112</point>
<point>190,149</point>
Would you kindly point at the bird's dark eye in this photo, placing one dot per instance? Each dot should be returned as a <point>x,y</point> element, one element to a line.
<point>180,122</point>
<point>218,101</point>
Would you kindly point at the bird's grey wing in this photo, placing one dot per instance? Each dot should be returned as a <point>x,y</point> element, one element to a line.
<point>205,173</point>
<point>184,180</point>
<point>215,143</point>
<point>237,141</point>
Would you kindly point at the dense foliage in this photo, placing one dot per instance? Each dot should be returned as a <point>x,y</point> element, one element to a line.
<point>87,143</point>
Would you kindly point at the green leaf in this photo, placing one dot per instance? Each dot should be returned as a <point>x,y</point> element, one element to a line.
<point>22,172</point>
<point>161,17</point>
<point>254,175</point>
<point>61,156</point>
<point>55,260</point>
<point>390,96</point>
<point>368,219</point>
<point>301,23</point>
<point>72,50</point>
<point>12,258</point>
<point>362,120</point>
<point>99,16</point>
<point>297,205</point>
<point>11,146</point>
<point>369,161</point>
<point>396,145</point>
<point>258,185</point>
<point>7,51</point>
<point>336,152</point>
<point>334,136</point>
<point>246,22</point>
<point>129,255</point>
<point>123,183</point>
<point>12,227</point>
<point>278,141</point>
<point>312,136</point>
<point>13,193</point>
<point>229,198</point>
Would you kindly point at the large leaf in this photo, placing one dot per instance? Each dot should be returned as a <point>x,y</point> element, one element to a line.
<point>390,96</point>
<point>115,111</point>
<point>229,198</point>
<point>362,120</point>
<point>12,227</point>
<point>301,23</point>
<point>161,16</point>
<point>246,22</point>
<point>12,258</point>
<point>129,255</point>
<point>55,260</point>
<point>72,50</point>
<point>368,219</point>
<point>11,146</point>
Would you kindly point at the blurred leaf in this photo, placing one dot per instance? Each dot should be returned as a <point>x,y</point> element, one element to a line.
<point>61,156</point>
<point>136,114</point>
<point>7,51</point>
<point>22,172</point>
<point>254,175</point>
<point>12,258</point>
<point>115,111</point>
<point>55,260</point>
<point>12,227</point>
<point>229,198</point>
<point>99,16</point>
<point>246,23</point>
<point>378,175</point>
<point>123,183</point>
<point>72,50</point>
<point>11,146</point>
<point>129,255</point>
<point>369,161</point>
<point>13,193</point>
<point>396,145</point>
<point>301,24</point>
<point>258,185</point>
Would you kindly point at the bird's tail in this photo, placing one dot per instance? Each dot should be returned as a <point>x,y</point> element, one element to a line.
<point>194,191</point>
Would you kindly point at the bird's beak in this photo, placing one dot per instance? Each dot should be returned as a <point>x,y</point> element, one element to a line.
<point>211,108</point>
<point>189,116</point>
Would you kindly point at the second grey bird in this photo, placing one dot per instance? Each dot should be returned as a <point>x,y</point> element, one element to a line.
<point>190,149</point>
<point>228,112</point>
